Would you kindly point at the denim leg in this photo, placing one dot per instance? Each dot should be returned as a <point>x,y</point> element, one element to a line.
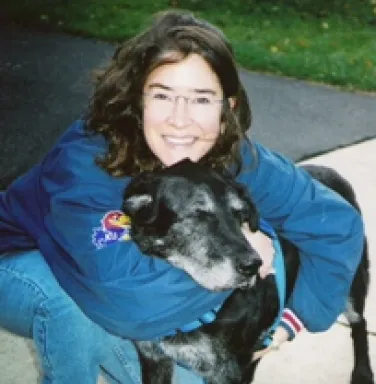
<point>71,348</point>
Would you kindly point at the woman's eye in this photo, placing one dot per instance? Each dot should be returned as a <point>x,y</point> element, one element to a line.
<point>202,100</point>
<point>161,96</point>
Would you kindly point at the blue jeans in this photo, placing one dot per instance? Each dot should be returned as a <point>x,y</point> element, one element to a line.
<point>71,348</point>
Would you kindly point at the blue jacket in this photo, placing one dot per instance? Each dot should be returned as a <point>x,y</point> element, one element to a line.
<point>63,205</point>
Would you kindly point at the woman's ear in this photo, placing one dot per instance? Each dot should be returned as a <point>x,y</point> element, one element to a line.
<point>232,102</point>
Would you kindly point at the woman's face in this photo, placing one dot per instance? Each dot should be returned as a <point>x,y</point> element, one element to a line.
<point>182,110</point>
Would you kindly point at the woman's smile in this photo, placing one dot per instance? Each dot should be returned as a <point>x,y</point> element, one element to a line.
<point>184,141</point>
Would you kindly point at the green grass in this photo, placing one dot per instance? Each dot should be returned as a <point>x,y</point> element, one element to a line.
<point>331,47</point>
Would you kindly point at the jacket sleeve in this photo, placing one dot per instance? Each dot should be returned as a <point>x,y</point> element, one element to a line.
<point>326,229</point>
<point>77,197</point>
<point>75,222</point>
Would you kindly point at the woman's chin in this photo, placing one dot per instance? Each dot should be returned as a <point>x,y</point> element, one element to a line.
<point>168,162</point>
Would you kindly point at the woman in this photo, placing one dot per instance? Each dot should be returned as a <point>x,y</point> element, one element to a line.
<point>70,276</point>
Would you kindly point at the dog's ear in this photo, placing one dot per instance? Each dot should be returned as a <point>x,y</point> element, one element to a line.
<point>248,211</point>
<point>135,203</point>
<point>140,198</point>
<point>253,217</point>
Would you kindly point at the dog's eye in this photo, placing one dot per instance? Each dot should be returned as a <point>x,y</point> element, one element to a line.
<point>201,200</point>
<point>204,214</point>
<point>239,214</point>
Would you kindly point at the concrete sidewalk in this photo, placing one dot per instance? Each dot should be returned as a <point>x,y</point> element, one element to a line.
<point>311,359</point>
<point>327,358</point>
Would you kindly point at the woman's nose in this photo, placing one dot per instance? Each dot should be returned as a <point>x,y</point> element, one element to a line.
<point>179,116</point>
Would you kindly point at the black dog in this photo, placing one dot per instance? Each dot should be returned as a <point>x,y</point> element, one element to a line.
<point>191,216</point>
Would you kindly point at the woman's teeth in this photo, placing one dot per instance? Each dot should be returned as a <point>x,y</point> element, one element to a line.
<point>186,140</point>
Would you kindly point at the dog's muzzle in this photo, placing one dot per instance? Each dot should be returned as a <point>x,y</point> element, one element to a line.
<point>248,268</point>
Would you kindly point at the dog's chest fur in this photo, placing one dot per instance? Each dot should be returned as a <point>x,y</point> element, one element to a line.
<point>204,354</point>
<point>221,354</point>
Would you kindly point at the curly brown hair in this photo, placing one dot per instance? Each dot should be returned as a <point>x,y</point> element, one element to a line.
<point>116,106</point>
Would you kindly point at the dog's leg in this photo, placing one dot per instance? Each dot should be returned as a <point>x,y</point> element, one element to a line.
<point>156,372</point>
<point>362,373</point>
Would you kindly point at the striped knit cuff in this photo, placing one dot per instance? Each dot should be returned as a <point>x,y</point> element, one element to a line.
<point>291,323</point>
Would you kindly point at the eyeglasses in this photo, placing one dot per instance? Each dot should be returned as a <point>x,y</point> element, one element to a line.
<point>166,101</point>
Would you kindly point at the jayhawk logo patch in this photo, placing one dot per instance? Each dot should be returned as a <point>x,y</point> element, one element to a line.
<point>115,227</point>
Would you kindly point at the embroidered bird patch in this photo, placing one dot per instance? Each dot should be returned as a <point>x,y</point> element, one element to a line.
<point>115,226</point>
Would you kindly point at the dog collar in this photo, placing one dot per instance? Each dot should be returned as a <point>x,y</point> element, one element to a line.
<point>206,318</point>
<point>280,277</point>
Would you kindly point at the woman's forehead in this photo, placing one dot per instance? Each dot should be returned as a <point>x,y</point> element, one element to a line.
<point>191,74</point>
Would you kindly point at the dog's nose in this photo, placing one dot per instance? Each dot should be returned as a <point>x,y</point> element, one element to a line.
<point>248,267</point>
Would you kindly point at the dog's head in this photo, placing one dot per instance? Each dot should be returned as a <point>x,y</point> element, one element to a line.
<point>191,216</point>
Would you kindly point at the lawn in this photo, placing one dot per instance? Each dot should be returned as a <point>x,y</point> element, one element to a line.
<point>335,45</point>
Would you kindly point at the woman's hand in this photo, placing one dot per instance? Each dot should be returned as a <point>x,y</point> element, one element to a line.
<point>263,246</point>
<point>279,337</point>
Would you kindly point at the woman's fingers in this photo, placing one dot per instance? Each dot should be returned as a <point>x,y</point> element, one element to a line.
<point>279,337</point>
